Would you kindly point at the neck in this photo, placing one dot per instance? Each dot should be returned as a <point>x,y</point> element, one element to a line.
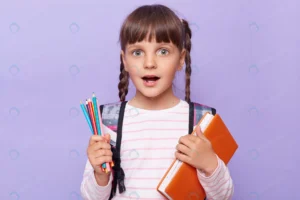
<point>163,101</point>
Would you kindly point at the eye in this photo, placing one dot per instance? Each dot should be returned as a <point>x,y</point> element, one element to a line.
<point>163,51</point>
<point>137,52</point>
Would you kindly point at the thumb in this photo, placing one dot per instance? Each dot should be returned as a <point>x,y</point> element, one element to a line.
<point>107,137</point>
<point>198,131</point>
<point>200,134</point>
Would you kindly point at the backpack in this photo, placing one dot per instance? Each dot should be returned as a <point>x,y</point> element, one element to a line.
<point>112,116</point>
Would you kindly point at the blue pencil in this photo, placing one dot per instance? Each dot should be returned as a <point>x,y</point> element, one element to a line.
<point>86,116</point>
<point>96,114</point>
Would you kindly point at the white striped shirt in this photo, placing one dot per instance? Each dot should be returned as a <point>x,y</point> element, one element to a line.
<point>149,138</point>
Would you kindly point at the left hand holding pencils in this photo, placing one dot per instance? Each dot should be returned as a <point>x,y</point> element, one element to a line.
<point>197,151</point>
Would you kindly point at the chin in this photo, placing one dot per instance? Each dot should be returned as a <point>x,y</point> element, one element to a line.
<point>151,93</point>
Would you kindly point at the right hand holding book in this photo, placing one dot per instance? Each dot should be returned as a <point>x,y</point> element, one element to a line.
<point>181,180</point>
<point>196,150</point>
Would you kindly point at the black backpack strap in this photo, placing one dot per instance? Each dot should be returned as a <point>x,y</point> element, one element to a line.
<point>196,112</point>
<point>191,117</point>
<point>119,172</point>
<point>113,118</point>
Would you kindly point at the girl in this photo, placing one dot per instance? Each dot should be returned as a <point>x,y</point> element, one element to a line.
<point>155,44</point>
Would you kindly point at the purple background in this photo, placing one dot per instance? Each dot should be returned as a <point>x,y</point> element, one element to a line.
<point>245,58</point>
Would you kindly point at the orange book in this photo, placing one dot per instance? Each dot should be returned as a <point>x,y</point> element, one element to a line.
<point>181,180</point>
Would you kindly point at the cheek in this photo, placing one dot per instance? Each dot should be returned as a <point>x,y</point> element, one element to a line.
<point>169,65</point>
<point>134,68</point>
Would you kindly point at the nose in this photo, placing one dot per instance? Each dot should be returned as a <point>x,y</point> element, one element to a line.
<point>149,62</point>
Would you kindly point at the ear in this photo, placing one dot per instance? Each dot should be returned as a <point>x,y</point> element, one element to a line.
<point>124,60</point>
<point>182,59</point>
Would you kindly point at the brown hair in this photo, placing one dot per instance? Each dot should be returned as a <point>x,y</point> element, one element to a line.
<point>162,23</point>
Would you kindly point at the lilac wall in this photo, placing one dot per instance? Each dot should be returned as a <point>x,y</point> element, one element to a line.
<point>245,62</point>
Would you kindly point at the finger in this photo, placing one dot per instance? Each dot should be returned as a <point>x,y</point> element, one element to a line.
<point>94,139</point>
<point>182,157</point>
<point>102,159</point>
<point>183,149</point>
<point>100,145</point>
<point>185,141</point>
<point>193,138</point>
<point>102,152</point>
<point>107,137</point>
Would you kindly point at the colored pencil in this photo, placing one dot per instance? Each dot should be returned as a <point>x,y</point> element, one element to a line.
<point>96,114</point>
<point>86,116</point>
<point>89,114</point>
<point>92,116</point>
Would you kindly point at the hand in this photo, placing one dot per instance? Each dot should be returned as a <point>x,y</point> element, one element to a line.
<point>197,151</point>
<point>99,152</point>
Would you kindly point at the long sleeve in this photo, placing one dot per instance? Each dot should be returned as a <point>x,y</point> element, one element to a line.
<point>89,188</point>
<point>219,185</point>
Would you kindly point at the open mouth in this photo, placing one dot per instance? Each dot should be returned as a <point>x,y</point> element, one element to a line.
<point>150,78</point>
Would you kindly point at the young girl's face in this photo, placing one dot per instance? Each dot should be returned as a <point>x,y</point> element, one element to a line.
<point>161,60</point>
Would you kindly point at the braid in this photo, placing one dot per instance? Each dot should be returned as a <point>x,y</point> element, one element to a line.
<point>124,81</point>
<point>188,69</point>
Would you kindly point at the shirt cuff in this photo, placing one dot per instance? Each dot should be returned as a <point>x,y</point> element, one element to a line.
<point>101,189</point>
